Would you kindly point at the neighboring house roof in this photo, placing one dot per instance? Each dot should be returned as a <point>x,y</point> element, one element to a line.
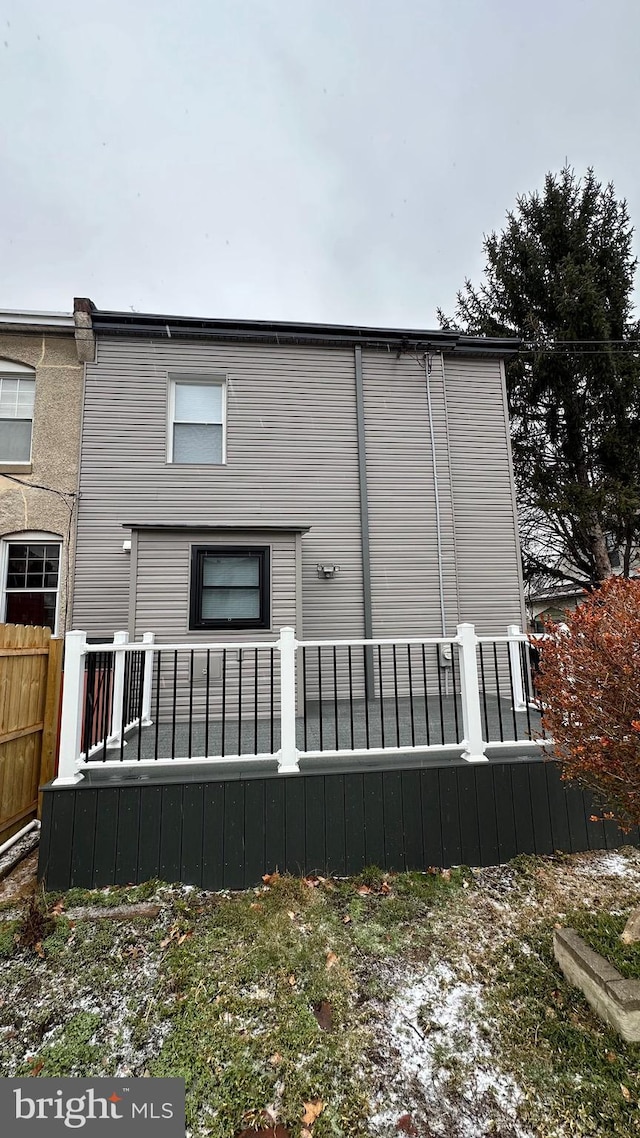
<point>568,591</point>
<point>279,332</point>
<point>19,320</point>
<point>556,593</point>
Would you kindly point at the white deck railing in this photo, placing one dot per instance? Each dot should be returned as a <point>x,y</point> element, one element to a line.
<point>318,688</point>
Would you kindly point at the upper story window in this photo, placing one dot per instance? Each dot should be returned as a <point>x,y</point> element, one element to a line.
<point>196,421</point>
<point>17,394</point>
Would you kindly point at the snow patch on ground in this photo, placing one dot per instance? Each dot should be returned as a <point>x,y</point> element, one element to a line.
<point>118,987</point>
<point>437,1063</point>
<point>612,864</point>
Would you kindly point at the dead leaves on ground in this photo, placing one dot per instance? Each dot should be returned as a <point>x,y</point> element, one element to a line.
<point>323,1011</point>
<point>407,1126</point>
<point>277,1131</point>
<point>176,935</point>
<point>274,1129</point>
<point>312,1110</point>
<point>382,889</point>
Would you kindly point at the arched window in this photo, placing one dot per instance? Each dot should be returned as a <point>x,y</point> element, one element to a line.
<point>31,578</point>
<point>17,394</point>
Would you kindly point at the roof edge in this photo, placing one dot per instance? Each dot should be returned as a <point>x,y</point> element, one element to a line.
<point>25,320</point>
<point>113,323</point>
<point>235,527</point>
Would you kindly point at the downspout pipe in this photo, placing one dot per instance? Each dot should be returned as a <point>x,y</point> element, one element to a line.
<point>364,524</point>
<point>35,825</point>
<point>428,361</point>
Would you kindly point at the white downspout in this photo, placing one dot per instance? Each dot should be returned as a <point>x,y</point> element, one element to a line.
<point>35,825</point>
<point>436,494</point>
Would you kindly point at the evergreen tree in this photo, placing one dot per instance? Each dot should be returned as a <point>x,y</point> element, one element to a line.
<point>560,275</point>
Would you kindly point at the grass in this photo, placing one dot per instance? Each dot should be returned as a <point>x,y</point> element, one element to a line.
<point>602,931</point>
<point>574,1066</point>
<point>223,990</point>
<point>244,1033</point>
<point>227,991</point>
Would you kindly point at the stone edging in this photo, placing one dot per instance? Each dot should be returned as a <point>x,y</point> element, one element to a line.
<point>615,999</point>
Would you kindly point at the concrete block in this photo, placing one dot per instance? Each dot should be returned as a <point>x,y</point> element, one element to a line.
<point>615,999</point>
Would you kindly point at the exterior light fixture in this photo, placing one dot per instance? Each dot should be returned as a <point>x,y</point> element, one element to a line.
<point>327,571</point>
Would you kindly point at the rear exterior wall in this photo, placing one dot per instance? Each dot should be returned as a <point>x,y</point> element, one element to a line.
<point>292,458</point>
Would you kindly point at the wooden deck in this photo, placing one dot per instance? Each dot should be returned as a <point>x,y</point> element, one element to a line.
<point>329,726</point>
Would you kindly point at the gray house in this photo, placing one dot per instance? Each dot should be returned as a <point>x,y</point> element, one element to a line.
<point>297,611</point>
<point>238,477</point>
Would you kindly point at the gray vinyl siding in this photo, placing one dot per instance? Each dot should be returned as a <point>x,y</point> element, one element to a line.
<point>402,511</point>
<point>163,578</point>
<point>487,543</point>
<point>162,606</point>
<point>291,457</point>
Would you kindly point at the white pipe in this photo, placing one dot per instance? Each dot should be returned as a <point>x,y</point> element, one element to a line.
<point>436,494</point>
<point>35,825</point>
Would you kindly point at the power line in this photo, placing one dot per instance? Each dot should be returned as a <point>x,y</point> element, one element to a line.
<point>71,505</point>
<point>581,348</point>
<point>39,486</point>
<point>629,341</point>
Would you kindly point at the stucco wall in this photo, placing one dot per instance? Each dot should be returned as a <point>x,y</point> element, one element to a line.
<point>55,448</point>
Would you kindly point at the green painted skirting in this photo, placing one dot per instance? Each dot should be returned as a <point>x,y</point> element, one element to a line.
<point>225,833</point>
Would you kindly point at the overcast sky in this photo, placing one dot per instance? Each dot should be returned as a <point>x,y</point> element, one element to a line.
<point>329,160</point>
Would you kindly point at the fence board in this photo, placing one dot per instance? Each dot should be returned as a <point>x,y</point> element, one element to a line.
<point>30,679</point>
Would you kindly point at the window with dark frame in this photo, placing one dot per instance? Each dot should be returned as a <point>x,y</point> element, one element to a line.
<point>229,587</point>
<point>31,589</point>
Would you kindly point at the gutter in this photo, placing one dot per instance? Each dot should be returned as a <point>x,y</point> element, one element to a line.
<point>113,323</point>
<point>35,321</point>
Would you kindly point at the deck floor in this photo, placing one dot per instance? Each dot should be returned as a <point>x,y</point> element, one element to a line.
<point>332,727</point>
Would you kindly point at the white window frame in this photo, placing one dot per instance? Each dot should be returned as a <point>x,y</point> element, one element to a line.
<point>193,380</point>
<point>29,537</point>
<point>9,369</point>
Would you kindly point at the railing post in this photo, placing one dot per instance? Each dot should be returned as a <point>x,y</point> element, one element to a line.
<point>473,743</point>
<point>515,659</point>
<point>147,683</point>
<point>288,757</point>
<point>73,696</point>
<point>114,738</point>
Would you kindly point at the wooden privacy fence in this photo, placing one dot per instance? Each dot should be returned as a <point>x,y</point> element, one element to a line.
<point>30,678</point>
